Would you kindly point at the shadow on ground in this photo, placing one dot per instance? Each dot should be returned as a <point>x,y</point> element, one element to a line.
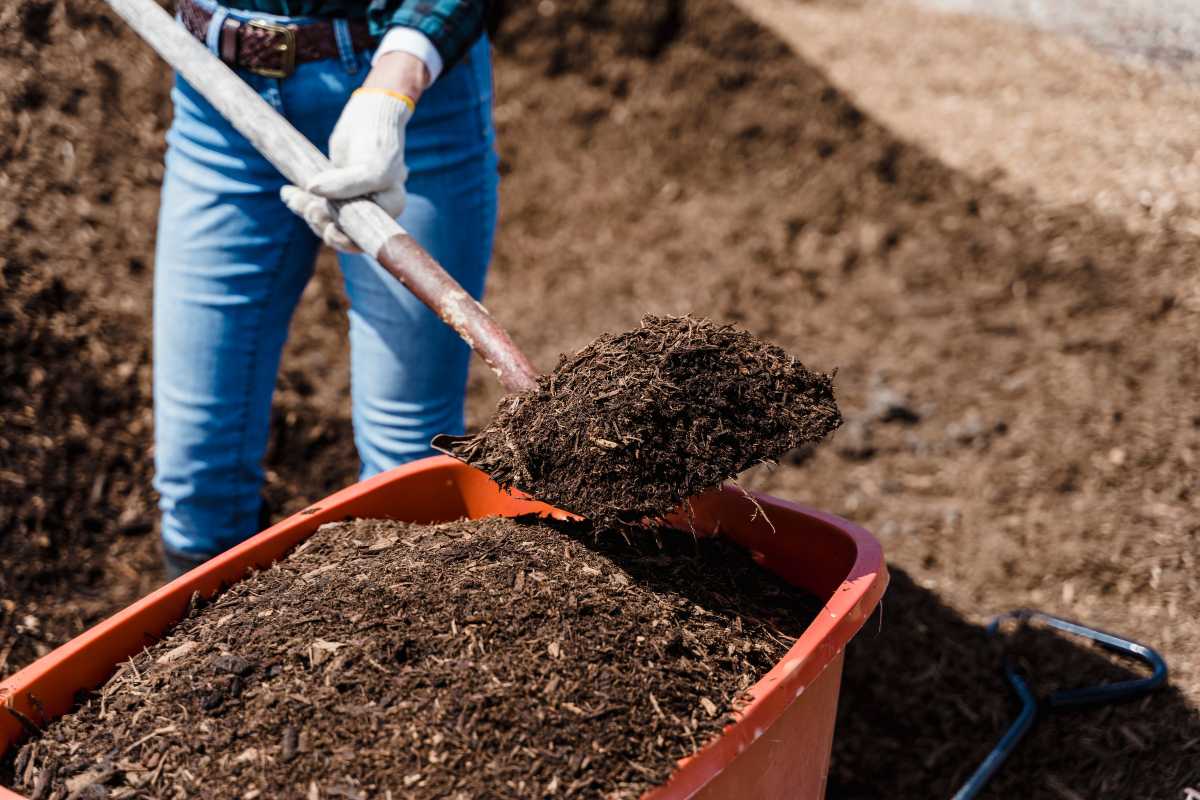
<point>924,701</point>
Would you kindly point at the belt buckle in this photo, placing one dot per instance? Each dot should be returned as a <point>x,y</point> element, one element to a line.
<point>286,49</point>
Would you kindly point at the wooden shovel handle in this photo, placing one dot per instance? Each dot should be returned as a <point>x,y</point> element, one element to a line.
<point>298,160</point>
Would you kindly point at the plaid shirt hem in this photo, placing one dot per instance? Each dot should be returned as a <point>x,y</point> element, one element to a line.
<point>452,25</point>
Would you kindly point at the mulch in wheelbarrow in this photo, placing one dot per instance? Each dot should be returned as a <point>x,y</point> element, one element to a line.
<point>487,658</point>
<point>633,424</point>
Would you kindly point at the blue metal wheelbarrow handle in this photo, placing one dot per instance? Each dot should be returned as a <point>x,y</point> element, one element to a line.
<point>1067,698</point>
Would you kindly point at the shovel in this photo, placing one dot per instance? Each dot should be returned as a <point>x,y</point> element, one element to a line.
<point>368,225</point>
<point>377,234</point>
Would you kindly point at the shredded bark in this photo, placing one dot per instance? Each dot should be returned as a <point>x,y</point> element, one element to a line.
<point>488,658</point>
<point>635,423</point>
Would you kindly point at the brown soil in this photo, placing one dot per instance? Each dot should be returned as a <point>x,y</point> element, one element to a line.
<point>493,658</point>
<point>1043,116</point>
<point>635,423</point>
<point>1019,376</point>
<point>83,111</point>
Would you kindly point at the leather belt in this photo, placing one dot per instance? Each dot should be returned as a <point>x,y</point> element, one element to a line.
<point>269,48</point>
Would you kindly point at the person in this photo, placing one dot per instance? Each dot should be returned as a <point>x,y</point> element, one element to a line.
<point>401,90</point>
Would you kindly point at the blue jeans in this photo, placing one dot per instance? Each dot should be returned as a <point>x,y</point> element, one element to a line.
<point>232,262</point>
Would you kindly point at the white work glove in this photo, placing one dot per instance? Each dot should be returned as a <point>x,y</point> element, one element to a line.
<point>367,151</point>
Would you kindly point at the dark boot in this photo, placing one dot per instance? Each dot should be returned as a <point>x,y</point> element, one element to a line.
<point>176,563</point>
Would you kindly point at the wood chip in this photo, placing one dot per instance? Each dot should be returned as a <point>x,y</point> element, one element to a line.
<point>309,576</point>
<point>382,543</point>
<point>321,651</point>
<point>176,653</point>
<point>96,775</point>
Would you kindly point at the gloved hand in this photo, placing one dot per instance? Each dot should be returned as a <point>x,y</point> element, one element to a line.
<point>367,150</point>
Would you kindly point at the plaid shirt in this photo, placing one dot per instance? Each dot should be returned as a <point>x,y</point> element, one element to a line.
<point>452,25</point>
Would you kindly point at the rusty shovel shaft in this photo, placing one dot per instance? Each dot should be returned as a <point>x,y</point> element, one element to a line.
<point>368,225</point>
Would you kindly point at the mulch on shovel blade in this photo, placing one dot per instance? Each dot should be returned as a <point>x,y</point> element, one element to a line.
<point>496,657</point>
<point>635,423</point>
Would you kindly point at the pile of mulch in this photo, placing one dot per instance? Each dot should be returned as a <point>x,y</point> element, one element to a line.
<point>633,424</point>
<point>497,657</point>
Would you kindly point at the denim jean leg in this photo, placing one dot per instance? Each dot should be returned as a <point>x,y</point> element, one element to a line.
<point>231,263</point>
<point>409,369</point>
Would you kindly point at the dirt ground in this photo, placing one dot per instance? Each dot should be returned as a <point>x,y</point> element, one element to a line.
<point>1162,32</point>
<point>1041,116</point>
<point>1018,369</point>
